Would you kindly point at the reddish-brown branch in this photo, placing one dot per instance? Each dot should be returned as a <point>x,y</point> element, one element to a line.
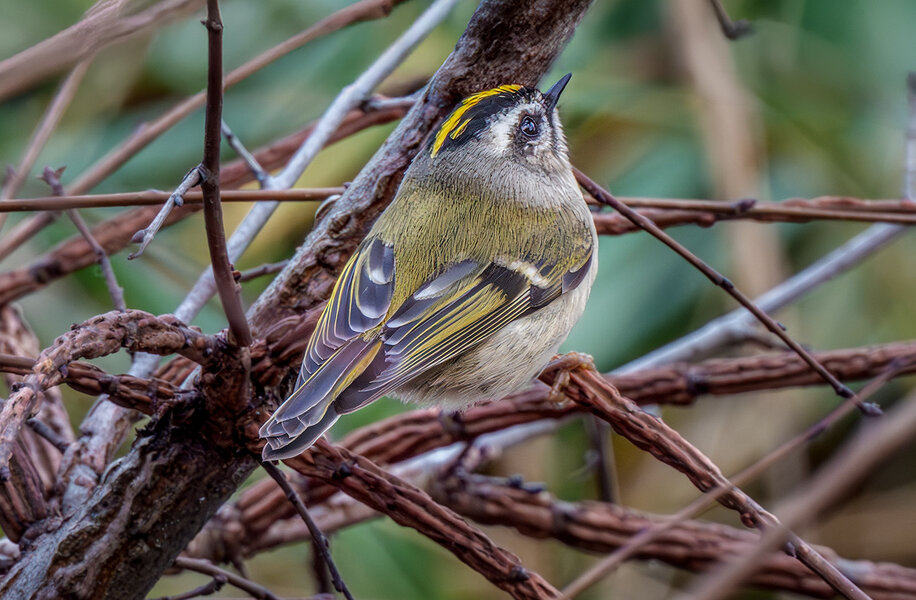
<point>673,212</point>
<point>411,507</point>
<point>17,338</point>
<point>589,389</point>
<point>22,498</point>
<point>666,212</point>
<point>150,198</point>
<point>100,336</point>
<point>691,545</point>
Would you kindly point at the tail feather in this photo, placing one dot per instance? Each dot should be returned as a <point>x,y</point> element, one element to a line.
<point>280,447</point>
<point>309,410</point>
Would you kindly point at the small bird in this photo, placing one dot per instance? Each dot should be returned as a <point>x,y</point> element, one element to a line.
<point>466,285</point>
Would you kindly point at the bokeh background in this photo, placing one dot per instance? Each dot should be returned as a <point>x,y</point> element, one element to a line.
<point>660,105</point>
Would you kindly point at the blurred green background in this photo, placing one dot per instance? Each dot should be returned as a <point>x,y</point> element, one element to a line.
<point>823,86</point>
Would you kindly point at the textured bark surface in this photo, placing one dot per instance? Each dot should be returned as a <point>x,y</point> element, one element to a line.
<point>151,503</point>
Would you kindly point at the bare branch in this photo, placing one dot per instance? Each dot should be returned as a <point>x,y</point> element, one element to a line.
<point>207,568</point>
<point>598,192</point>
<point>651,434</point>
<point>265,269</point>
<point>733,30</point>
<point>229,290</point>
<point>211,587</point>
<point>144,236</point>
<point>320,542</point>
<point>100,336</point>
<point>648,535</point>
<point>150,197</point>
<point>705,213</point>
<point>16,337</point>
<point>412,507</point>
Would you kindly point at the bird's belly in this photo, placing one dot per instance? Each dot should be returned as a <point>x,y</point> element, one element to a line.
<point>504,363</point>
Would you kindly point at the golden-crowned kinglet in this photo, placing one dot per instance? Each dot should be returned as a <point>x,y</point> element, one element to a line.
<point>466,285</point>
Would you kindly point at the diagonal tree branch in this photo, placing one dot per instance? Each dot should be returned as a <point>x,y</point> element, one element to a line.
<point>606,198</point>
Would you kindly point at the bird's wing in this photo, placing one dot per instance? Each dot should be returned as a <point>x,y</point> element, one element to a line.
<point>359,302</point>
<point>363,347</point>
<point>453,313</point>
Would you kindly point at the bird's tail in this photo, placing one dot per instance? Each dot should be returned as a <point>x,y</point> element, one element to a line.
<point>279,447</point>
<point>310,410</point>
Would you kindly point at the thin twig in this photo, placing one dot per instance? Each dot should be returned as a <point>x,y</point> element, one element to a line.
<point>151,197</point>
<point>603,465</point>
<point>115,291</point>
<point>733,30</point>
<point>265,269</point>
<point>207,589</point>
<point>320,542</point>
<point>605,197</point>
<point>229,290</point>
<point>260,175</point>
<point>176,198</point>
<point>43,132</point>
<point>207,568</point>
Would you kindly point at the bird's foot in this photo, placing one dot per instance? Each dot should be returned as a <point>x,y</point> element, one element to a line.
<point>560,368</point>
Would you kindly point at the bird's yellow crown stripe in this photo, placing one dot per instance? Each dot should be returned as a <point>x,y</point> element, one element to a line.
<point>451,124</point>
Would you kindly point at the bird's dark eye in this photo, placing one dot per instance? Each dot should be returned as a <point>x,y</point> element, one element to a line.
<point>529,127</point>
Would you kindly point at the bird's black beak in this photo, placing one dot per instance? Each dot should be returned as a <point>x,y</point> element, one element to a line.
<point>553,94</point>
